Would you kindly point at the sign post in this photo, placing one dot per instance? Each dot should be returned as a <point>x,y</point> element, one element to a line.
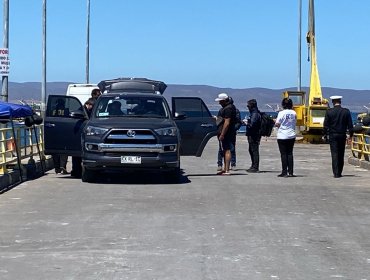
<point>4,62</point>
<point>4,80</point>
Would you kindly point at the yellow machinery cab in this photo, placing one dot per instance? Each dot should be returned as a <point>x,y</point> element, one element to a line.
<point>299,105</point>
<point>310,114</point>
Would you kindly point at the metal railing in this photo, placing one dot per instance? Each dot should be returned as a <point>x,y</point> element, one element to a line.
<point>19,144</point>
<point>361,145</point>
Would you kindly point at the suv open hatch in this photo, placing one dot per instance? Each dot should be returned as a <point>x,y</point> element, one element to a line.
<point>130,128</point>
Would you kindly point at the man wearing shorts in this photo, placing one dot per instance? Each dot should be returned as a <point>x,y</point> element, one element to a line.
<point>226,132</point>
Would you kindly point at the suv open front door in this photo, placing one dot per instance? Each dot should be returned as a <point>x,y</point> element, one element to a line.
<point>64,120</point>
<point>196,128</point>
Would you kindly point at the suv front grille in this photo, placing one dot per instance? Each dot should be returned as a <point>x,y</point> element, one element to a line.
<point>131,136</point>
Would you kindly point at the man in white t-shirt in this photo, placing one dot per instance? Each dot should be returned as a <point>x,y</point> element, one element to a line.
<point>286,123</point>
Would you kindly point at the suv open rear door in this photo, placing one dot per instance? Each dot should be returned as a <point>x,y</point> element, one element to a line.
<point>64,120</point>
<point>196,128</point>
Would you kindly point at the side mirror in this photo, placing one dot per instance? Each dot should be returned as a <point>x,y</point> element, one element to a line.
<point>179,116</point>
<point>78,115</point>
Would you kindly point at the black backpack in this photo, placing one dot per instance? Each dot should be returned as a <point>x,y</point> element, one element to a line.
<point>267,124</point>
<point>238,120</point>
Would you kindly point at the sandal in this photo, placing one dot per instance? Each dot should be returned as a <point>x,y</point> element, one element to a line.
<point>220,172</point>
<point>226,173</point>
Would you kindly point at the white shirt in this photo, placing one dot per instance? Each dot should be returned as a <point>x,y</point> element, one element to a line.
<point>287,120</point>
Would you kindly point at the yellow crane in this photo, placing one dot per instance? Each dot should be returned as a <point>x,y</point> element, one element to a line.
<point>311,109</point>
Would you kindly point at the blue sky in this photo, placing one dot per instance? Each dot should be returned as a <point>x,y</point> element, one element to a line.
<point>233,43</point>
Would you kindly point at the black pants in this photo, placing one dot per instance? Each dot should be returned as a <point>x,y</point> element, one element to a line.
<point>60,161</point>
<point>76,167</point>
<point>337,147</point>
<point>286,154</point>
<point>254,143</point>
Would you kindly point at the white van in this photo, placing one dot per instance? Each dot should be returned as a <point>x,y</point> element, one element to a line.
<point>81,91</point>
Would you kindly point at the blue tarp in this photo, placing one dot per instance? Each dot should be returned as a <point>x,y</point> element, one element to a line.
<point>10,110</point>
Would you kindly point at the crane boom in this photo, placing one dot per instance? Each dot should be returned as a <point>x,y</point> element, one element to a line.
<point>310,109</point>
<point>315,94</point>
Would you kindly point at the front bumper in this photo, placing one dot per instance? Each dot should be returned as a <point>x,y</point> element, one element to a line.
<point>153,157</point>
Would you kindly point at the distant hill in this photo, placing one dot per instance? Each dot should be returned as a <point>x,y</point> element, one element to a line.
<point>353,99</point>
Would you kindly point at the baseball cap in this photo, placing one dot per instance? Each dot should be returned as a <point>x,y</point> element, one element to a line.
<point>222,96</point>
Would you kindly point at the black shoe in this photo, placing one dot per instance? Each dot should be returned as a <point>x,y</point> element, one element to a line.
<point>291,175</point>
<point>283,175</point>
<point>58,170</point>
<point>337,176</point>
<point>64,171</point>
<point>252,170</point>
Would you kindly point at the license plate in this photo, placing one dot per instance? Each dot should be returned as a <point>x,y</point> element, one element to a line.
<point>131,159</point>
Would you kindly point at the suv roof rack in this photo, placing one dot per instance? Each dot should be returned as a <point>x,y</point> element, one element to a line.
<point>131,84</point>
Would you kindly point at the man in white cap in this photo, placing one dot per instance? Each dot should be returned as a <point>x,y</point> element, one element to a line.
<point>337,122</point>
<point>226,132</point>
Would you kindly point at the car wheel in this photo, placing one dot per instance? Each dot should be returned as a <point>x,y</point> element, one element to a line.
<point>88,176</point>
<point>173,176</point>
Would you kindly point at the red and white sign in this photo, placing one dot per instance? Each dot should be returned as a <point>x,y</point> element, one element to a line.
<point>4,62</point>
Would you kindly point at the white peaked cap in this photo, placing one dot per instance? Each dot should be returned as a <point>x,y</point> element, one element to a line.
<point>336,97</point>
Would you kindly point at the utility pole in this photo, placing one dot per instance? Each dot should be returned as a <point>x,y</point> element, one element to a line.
<point>88,42</point>
<point>4,80</point>
<point>43,86</point>
<point>299,45</point>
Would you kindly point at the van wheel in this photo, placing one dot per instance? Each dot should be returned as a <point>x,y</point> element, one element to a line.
<point>88,176</point>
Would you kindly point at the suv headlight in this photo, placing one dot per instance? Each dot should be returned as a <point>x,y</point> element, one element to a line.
<point>169,131</point>
<point>93,130</point>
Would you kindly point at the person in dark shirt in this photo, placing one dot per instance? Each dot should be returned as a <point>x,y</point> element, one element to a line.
<point>226,132</point>
<point>95,93</point>
<point>337,122</point>
<point>60,161</point>
<point>76,160</point>
<point>220,154</point>
<point>89,104</point>
<point>253,133</point>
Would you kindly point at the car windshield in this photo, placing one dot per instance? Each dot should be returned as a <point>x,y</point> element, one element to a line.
<point>131,106</point>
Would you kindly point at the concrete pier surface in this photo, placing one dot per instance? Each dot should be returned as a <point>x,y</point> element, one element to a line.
<point>243,226</point>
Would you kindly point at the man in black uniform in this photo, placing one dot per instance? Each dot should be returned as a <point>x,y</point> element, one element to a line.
<point>226,131</point>
<point>337,122</point>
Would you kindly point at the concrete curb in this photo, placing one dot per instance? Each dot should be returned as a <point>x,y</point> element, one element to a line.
<point>30,172</point>
<point>360,163</point>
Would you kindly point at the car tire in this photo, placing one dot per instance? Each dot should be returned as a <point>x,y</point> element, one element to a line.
<point>87,176</point>
<point>173,176</point>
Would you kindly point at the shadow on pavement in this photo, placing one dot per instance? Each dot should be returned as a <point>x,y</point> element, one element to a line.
<point>134,178</point>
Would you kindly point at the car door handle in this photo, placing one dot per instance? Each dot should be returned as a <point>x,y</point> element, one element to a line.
<point>49,124</point>
<point>206,125</point>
